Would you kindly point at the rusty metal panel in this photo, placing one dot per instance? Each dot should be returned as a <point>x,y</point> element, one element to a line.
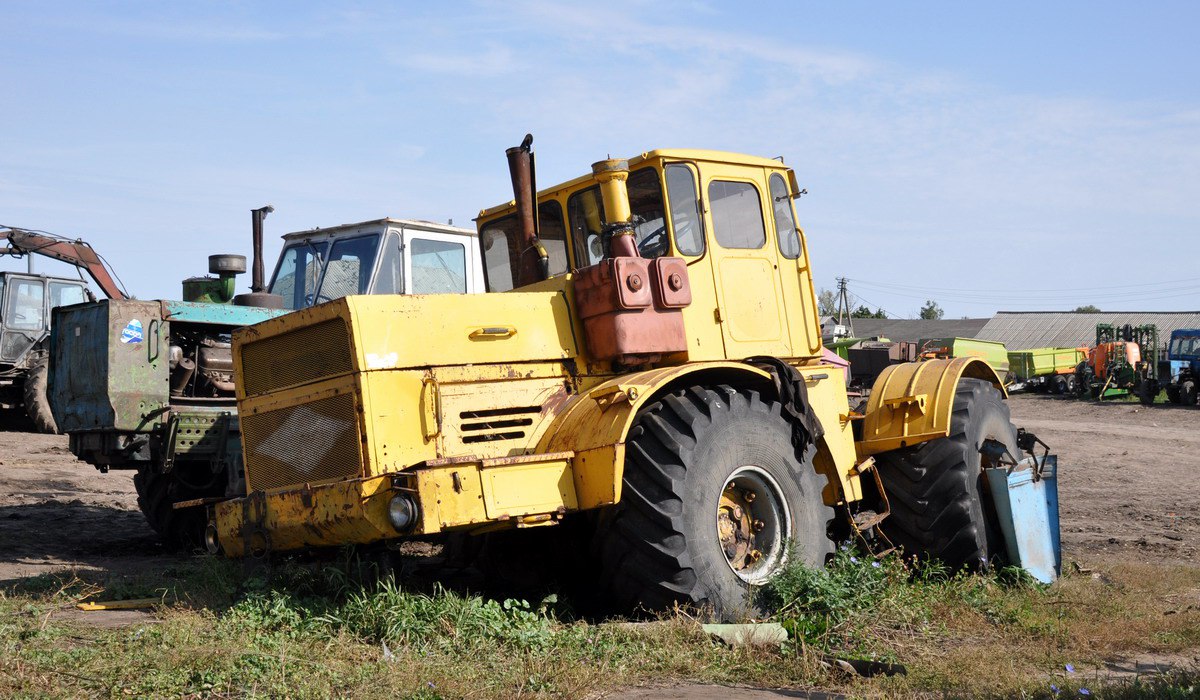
<point>109,366</point>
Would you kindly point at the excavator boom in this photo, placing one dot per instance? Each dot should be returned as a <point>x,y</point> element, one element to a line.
<point>77,252</point>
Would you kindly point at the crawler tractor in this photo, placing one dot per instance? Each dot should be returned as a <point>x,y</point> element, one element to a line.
<point>645,374</point>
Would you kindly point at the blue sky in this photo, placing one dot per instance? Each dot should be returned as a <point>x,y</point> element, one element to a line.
<point>1020,155</point>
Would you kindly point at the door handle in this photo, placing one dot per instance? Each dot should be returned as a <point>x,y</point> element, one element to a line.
<point>493,333</point>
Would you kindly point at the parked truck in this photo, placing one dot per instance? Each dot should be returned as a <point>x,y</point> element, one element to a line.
<point>645,377</point>
<point>26,303</point>
<point>1045,369</point>
<point>148,385</point>
<point>990,351</point>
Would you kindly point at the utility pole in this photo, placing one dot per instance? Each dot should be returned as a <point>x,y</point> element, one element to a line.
<point>845,319</point>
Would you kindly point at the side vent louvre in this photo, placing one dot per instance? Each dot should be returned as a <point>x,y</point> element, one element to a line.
<point>496,423</point>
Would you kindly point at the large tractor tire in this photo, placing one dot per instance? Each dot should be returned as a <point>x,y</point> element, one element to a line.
<point>1147,391</point>
<point>715,501</point>
<point>1058,384</point>
<point>37,397</point>
<point>179,529</point>
<point>1187,392</point>
<point>940,505</point>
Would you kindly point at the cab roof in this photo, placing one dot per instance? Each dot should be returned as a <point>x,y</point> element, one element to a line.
<point>692,154</point>
<point>417,224</point>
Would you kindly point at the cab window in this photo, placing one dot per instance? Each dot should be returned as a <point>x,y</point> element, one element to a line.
<point>649,214</point>
<point>785,224</point>
<point>553,234</point>
<point>685,210</point>
<point>585,210</point>
<point>736,214</point>
<point>298,273</point>
<point>349,268</point>
<point>390,278</point>
<point>26,304</point>
<point>501,241</point>
<point>65,294</point>
<point>438,267</point>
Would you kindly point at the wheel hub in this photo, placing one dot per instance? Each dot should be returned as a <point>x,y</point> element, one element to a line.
<point>752,519</point>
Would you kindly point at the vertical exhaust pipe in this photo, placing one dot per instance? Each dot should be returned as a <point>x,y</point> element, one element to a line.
<point>257,285</point>
<point>258,295</point>
<point>533,262</point>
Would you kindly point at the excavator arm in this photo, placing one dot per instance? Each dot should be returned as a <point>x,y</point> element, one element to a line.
<point>78,253</point>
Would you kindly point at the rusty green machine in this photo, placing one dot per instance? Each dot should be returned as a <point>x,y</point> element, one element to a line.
<point>148,386</point>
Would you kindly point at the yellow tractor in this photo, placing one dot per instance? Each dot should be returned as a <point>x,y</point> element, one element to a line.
<point>647,369</point>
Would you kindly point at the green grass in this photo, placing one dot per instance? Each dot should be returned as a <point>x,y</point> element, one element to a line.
<point>328,630</point>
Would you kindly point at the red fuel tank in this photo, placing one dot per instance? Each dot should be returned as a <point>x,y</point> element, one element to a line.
<point>632,308</point>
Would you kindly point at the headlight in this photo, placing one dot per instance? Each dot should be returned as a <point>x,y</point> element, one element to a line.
<point>211,542</point>
<point>402,512</point>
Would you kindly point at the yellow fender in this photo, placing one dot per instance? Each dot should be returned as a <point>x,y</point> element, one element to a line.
<point>595,423</point>
<point>912,402</point>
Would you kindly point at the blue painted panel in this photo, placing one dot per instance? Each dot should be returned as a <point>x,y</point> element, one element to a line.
<point>223,314</point>
<point>1028,512</point>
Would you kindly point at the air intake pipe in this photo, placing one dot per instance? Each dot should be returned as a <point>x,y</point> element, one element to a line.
<point>618,234</point>
<point>533,262</point>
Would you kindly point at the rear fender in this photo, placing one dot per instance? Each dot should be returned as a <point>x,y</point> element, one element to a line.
<point>913,402</point>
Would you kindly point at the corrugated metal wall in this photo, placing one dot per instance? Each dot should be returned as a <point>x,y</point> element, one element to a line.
<point>1020,330</point>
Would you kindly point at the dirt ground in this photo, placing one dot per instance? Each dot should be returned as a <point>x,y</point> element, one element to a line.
<point>1127,483</point>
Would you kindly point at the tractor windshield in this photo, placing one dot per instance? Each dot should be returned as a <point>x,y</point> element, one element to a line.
<point>502,245</point>
<point>1185,345</point>
<point>298,273</point>
<point>348,270</point>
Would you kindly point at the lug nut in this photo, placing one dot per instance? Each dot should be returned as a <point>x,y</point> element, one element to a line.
<point>749,496</point>
<point>757,525</point>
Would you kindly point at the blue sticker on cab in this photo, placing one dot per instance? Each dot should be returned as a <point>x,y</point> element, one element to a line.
<point>132,332</point>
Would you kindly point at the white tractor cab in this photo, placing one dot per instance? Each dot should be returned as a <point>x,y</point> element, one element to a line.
<point>385,256</point>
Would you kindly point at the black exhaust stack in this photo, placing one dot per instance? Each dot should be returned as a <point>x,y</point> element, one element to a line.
<point>258,295</point>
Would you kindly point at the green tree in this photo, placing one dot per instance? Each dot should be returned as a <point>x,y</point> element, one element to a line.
<point>1089,309</point>
<point>826,303</point>
<point>931,311</point>
<point>863,312</point>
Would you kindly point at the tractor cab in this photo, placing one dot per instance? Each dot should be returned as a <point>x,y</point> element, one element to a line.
<point>717,229</point>
<point>25,304</point>
<point>385,256</point>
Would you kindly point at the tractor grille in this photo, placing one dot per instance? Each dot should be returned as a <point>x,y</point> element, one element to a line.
<point>307,443</point>
<point>304,355</point>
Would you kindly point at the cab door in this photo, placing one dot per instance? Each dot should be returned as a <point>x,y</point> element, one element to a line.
<point>744,265</point>
<point>24,316</point>
<point>795,277</point>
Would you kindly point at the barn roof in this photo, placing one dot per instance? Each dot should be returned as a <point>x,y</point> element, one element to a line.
<point>913,330</point>
<point>1022,330</point>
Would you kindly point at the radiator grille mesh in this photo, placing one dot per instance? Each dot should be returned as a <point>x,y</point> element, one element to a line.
<point>306,354</point>
<point>304,444</point>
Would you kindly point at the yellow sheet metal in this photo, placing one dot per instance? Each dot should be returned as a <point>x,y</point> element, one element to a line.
<point>913,402</point>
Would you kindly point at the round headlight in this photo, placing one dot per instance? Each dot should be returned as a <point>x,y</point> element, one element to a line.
<point>211,542</point>
<point>402,512</point>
